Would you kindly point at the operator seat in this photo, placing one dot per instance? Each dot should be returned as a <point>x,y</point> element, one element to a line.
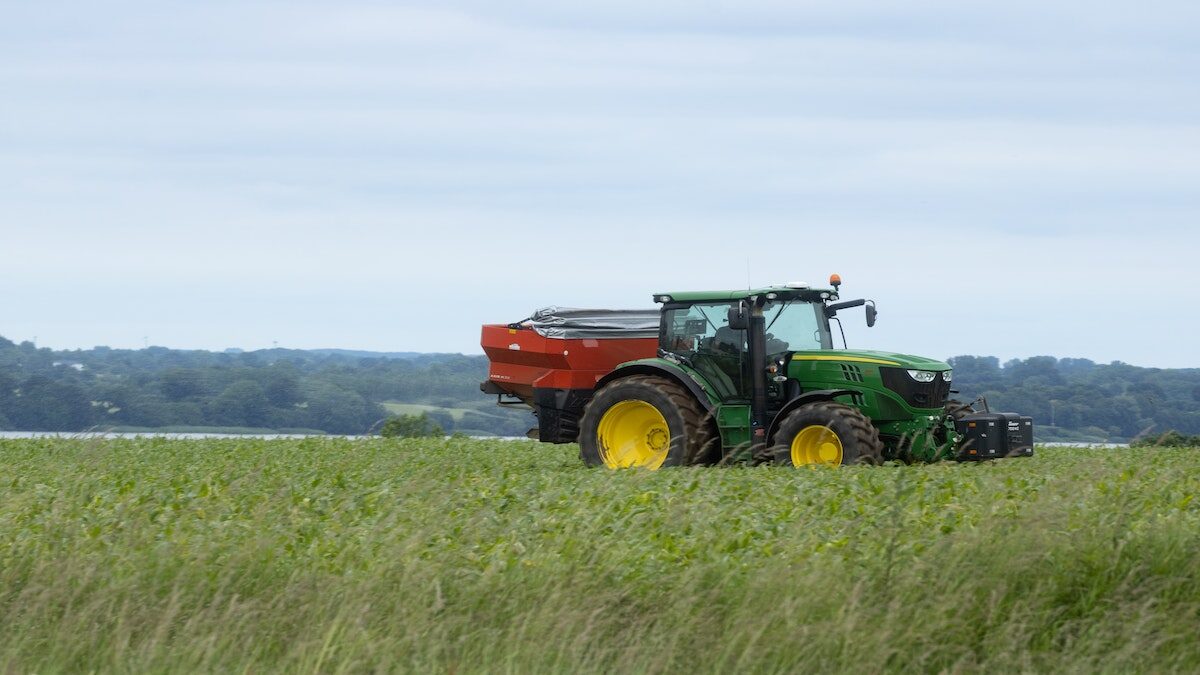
<point>729,340</point>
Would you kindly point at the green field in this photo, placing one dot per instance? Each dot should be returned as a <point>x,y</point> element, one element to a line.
<point>330,555</point>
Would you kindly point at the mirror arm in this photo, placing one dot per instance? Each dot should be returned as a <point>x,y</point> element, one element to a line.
<point>830,310</point>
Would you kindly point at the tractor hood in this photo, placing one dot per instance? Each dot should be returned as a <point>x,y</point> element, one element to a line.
<point>872,357</point>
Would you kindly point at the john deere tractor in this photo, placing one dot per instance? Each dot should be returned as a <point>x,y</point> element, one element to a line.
<point>747,375</point>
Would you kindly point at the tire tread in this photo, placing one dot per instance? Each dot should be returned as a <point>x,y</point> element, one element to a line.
<point>864,435</point>
<point>697,433</point>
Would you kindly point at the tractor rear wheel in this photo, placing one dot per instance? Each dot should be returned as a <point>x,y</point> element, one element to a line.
<point>827,433</point>
<point>642,421</point>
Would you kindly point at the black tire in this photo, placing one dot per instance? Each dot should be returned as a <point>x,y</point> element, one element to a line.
<point>690,438</point>
<point>859,438</point>
<point>708,449</point>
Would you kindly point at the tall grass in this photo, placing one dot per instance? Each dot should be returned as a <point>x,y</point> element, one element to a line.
<point>324,555</point>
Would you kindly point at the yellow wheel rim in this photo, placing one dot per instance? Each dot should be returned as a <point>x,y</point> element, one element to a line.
<point>816,444</point>
<point>633,433</point>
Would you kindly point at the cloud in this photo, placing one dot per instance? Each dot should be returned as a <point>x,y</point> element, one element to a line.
<point>221,173</point>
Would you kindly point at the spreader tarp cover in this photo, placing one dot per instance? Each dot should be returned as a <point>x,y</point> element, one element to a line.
<point>578,324</point>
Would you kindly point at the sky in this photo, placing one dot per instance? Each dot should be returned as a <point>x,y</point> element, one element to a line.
<point>1008,179</point>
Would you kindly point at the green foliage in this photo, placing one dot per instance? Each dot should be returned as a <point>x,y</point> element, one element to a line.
<point>1171,439</point>
<point>411,426</point>
<point>243,403</point>
<point>333,391</point>
<point>43,403</point>
<point>343,392</point>
<point>281,384</point>
<point>1076,399</point>
<point>424,555</point>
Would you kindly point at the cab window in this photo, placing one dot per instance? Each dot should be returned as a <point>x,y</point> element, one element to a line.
<point>701,333</point>
<point>702,329</point>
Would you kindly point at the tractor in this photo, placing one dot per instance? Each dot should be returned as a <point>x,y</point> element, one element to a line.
<point>736,376</point>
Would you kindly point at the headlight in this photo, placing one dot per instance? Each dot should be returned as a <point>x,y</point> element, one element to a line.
<point>946,375</point>
<point>922,375</point>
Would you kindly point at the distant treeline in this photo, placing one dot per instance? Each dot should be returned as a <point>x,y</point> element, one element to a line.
<point>343,392</point>
<point>279,389</point>
<point>1077,399</point>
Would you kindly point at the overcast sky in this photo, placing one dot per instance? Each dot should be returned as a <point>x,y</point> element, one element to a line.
<point>1013,179</point>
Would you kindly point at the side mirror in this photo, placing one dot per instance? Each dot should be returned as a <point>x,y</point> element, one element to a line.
<point>739,318</point>
<point>871,313</point>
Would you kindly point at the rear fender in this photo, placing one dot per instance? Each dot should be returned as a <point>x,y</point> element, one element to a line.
<point>691,381</point>
<point>802,400</point>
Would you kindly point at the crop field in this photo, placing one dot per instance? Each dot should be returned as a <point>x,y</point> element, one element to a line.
<point>331,555</point>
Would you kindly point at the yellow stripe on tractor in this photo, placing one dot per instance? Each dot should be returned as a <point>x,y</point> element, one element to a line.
<point>856,359</point>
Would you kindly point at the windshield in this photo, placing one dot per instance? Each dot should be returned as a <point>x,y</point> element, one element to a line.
<point>796,326</point>
<point>704,328</point>
<point>701,333</point>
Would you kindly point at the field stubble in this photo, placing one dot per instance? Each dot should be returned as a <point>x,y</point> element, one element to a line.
<point>328,555</point>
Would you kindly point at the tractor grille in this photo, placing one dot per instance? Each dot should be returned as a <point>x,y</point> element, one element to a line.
<point>917,394</point>
<point>851,372</point>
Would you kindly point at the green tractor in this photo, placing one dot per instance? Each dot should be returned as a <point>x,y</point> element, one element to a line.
<point>750,375</point>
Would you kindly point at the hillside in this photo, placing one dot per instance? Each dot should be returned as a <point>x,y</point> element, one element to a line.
<point>331,391</point>
<point>349,392</point>
<point>1079,400</point>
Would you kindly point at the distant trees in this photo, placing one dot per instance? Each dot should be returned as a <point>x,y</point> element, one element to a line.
<point>1077,396</point>
<point>340,411</point>
<point>340,393</point>
<point>281,384</point>
<point>41,389</point>
<point>410,426</point>
<point>178,384</point>
<point>42,403</point>
<point>1171,439</point>
<point>8,390</point>
<point>242,404</point>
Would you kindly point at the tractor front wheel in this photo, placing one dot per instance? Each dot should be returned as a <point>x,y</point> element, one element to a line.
<point>642,421</point>
<point>827,433</point>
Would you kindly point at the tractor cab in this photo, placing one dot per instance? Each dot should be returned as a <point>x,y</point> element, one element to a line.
<point>713,335</point>
<point>717,333</point>
<point>768,351</point>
